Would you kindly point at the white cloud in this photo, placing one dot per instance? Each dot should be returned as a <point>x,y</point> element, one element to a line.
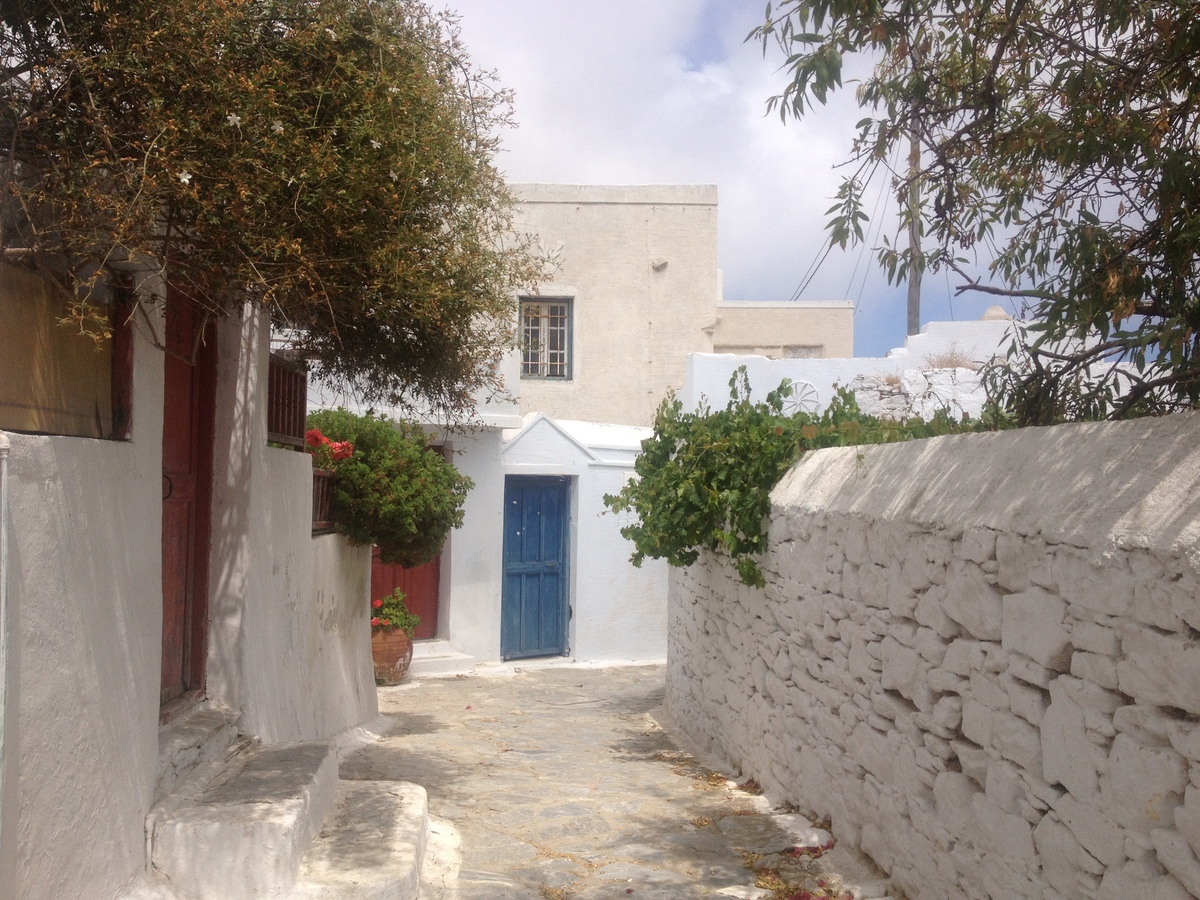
<point>626,91</point>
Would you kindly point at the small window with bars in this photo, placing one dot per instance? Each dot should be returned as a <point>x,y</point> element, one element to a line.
<point>545,339</point>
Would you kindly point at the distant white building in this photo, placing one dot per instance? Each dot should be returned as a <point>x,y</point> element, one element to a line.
<point>938,368</point>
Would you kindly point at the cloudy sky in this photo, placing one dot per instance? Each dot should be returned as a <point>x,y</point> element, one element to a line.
<point>666,91</point>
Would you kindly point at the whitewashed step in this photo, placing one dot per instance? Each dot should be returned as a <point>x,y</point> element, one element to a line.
<point>372,847</point>
<point>437,657</point>
<point>191,742</point>
<point>244,834</point>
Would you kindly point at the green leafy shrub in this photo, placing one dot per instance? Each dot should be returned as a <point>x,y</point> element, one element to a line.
<point>705,478</point>
<point>393,490</point>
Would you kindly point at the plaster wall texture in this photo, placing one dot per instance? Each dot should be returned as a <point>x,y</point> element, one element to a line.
<point>905,371</point>
<point>618,612</point>
<point>471,558</point>
<point>633,325</point>
<point>84,580</point>
<point>289,641</point>
<point>977,654</point>
<point>770,328</point>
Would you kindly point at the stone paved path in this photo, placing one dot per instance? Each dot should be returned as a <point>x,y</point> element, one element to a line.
<point>558,782</point>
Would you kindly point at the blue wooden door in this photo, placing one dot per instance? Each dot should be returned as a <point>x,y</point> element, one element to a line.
<point>536,550</point>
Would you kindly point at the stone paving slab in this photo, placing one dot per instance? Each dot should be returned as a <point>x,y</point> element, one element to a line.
<point>559,783</point>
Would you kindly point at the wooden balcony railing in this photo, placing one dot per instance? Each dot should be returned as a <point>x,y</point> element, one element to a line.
<point>287,401</point>
<point>322,507</point>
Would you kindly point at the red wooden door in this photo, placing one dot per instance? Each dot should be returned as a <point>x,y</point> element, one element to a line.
<point>188,406</point>
<point>420,585</point>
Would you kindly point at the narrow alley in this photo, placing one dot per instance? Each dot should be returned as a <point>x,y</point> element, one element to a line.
<point>560,782</point>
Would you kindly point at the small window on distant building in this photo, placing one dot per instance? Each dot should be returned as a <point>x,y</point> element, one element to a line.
<point>546,338</point>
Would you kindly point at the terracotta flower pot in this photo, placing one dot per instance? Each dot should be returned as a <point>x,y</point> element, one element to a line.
<point>391,650</point>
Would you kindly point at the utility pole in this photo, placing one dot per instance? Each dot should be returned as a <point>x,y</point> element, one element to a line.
<point>916,262</point>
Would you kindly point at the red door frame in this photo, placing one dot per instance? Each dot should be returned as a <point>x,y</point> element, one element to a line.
<point>190,378</point>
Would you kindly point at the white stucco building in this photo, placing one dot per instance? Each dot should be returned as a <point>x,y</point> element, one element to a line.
<point>575,594</point>
<point>631,287</point>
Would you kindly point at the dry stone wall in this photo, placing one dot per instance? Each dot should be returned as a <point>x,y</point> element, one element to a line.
<point>978,654</point>
<point>921,392</point>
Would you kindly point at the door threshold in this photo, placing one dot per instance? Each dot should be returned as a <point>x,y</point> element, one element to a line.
<point>180,706</point>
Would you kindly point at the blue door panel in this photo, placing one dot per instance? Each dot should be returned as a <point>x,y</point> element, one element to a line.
<point>536,549</point>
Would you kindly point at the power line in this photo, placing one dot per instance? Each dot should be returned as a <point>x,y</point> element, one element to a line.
<point>878,220</point>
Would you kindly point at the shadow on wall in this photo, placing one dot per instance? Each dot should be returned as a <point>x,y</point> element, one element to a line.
<point>999,630</point>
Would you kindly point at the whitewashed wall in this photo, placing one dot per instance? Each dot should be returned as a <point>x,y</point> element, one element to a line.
<point>619,613</point>
<point>472,558</point>
<point>978,654</point>
<point>85,601</point>
<point>289,643</point>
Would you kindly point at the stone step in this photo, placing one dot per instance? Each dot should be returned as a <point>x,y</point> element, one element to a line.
<point>436,657</point>
<point>192,741</point>
<point>372,847</point>
<point>244,834</point>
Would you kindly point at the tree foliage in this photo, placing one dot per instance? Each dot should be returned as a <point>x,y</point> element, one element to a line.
<point>705,478</point>
<point>393,490</point>
<point>330,159</point>
<point>1058,147</point>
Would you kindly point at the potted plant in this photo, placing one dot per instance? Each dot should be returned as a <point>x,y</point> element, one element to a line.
<point>391,637</point>
<point>390,489</point>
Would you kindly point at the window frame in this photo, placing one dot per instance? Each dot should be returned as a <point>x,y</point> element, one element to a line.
<point>543,304</point>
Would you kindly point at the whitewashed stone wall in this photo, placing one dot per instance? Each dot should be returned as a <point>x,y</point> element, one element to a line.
<point>979,655</point>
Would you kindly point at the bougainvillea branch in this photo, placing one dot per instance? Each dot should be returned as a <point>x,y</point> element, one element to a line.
<point>329,159</point>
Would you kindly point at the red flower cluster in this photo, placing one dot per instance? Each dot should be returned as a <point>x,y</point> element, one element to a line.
<point>390,612</point>
<point>325,451</point>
